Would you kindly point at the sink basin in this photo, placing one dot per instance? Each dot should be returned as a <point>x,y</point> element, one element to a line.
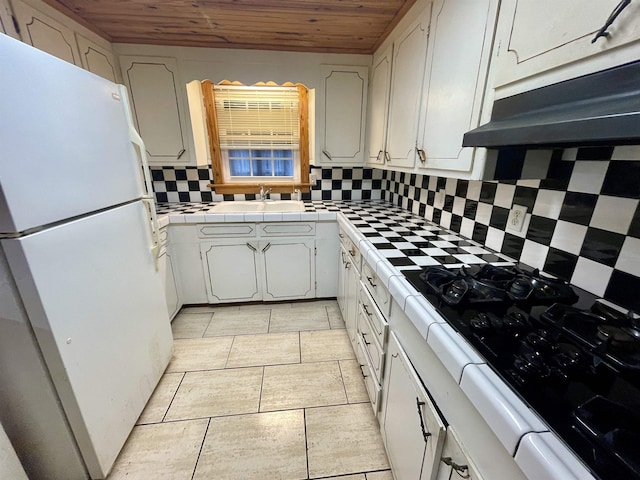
<point>259,206</point>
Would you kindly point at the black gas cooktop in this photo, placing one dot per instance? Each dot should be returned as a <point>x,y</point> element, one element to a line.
<point>575,361</point>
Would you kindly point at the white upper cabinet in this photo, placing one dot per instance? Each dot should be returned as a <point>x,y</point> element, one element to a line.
<point>342,110</point>
<point>543,35</point>
<point>6,22</point>
<point>46,34</point>
<point>96,59</point>
<point>460,43</point>
<point>379,106</point>
<point>156,99</point>
<point>409,56</point>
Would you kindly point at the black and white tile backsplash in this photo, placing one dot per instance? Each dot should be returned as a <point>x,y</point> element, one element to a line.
<point>582,222</point>
<point>189,184</point>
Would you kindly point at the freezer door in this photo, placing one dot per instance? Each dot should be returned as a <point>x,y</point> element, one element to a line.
<point>95,301</point>
<point>64,141</point>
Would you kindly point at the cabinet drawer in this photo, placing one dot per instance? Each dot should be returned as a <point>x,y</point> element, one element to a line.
<point>378,291</point>
<point>280,229</point>
<point>376,319</point>
<point>351,249</point>
<point>373,387</point>
<point>226,230</point>
<point>374,351</point>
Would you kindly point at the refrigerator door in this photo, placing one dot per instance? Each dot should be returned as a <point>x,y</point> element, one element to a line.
<point>64,139</point>
<point>95,302</point>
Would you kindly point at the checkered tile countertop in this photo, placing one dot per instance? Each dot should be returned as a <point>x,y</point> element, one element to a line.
<point>407,241</point>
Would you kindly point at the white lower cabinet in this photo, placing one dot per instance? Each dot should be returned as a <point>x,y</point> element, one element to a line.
<point>288,267</point>
<point>412,429</point>
<point>170,280</point>
<point>455,462</point>
<point>348,285</point>
<point>232,271</point>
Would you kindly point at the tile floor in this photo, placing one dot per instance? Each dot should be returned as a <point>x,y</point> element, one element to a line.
<point>258,392</point>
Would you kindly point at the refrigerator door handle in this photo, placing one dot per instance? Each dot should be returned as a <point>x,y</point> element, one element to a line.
<point>147,198</point>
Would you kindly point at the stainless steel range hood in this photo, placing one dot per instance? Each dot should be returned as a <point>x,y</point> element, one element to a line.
<point>602,108</point>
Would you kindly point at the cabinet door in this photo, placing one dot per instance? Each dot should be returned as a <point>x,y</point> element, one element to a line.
<point>455,80</point>
<point>289,269</point>
<point>352,282</point>
<point>46,34</point>
<point>342,281</point>
<point>6,20</point>
<point>96,59</point>
<point>455,462</point>
<point>170,281</point>
<point>231,271</point>
<point>412,428</point>
<point>541,35</point>
<point>156,99</point>
<point>343,112</point>
<point>409,58</point>
<point>379,105</point>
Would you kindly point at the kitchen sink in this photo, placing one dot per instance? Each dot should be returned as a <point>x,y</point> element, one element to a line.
<point>259,206</point>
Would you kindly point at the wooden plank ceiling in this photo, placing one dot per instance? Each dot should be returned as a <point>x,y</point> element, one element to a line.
<point>332,26</point>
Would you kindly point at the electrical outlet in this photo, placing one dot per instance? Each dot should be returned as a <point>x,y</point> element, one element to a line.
<point>313,178</point>
<point>515,221</point>
<point>438,201</point>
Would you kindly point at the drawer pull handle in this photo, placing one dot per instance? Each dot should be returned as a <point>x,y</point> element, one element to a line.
<point>387,157</point>
<point>461,470</point>
<point>425,434</point>
<point>370,280</point>
<point>421,154</point>
<point>378,156</point>
<point>612,18</point>
<point>366,310</point>
<point>251,247</point>
<point>362,371</point>
<point>267,247</point>
<point>342,255</point>
<point>327,154</point>
<point>364,339</point>
<point>352,252</point>
<point>347,265</point>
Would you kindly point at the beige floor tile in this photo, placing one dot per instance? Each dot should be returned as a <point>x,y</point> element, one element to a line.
<point>159,402</point>
<point>161,451</point>
<point>353,381</point>
<point>199,354</point>
<point>301,385</point>
<point>343,440</point>
<point>320,346</point>
<point>314,303</point>
<point>238,323</point>
<point>268,349</point>
<point>190,325</point>
<point>217,392</point>
<point>264,306</point>
<point>254,447</point>
<point>360,476</point>
<point>385,475</point>
<point>335,316</point>
<point>298,319</point>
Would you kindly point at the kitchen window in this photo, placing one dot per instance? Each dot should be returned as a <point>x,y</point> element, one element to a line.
<point>258,135</point>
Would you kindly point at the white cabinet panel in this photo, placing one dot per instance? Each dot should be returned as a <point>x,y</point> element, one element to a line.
<point>46,34</point>
<point>156,98</point>
<point>6,21</point>
<point>289,269</point>
<point>409,59</point>
<point>455,80</point>
<point>379,106</point>
<point>232,271</point>
<point>170,281</point>
<point>96,59</point>
<point>343,112</point>
<point>412,429</point>
<point>540,35</point>
<point>455,462</point>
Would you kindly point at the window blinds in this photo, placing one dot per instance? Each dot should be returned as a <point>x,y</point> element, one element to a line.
<point>257,117</point>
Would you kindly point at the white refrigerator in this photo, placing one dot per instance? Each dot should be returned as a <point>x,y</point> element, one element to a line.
<point>84,331</point>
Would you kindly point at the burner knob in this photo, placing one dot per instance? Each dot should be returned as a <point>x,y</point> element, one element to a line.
<point>531,365</point>
<point>540,340</point>
<point>485,322</point>
<point>520,288</point>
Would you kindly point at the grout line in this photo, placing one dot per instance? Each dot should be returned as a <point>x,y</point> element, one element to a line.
<point>201,447</point>
<point>233,340</point>
<point>306,440</point>
<point>207,328</point>
<point>173,397</point>
<point>299,347</point>
<point>344,384</point>
<point>260,396</point>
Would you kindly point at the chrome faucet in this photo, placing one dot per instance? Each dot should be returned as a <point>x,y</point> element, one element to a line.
<point>264,194</point>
